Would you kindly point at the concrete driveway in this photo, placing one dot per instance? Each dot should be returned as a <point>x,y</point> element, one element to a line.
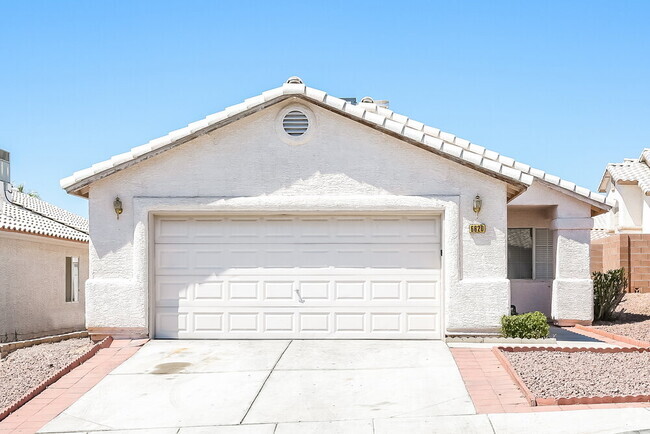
<point>259,386</point>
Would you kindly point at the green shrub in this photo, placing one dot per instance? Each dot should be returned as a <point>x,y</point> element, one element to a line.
<point>532,325</point>
<point>609,289</point>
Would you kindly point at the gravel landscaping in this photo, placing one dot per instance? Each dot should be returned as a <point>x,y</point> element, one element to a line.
<point>633,320</point>
<point>554,374</point>
<point>24,369</point>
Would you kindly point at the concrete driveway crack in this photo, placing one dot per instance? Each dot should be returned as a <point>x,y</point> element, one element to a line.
<point>264,383</point>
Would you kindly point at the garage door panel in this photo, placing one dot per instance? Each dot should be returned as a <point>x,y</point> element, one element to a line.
<point>278,290</point>
<point>297,277</point>
<point>260,290</point>
<point>243,290</point>
<point>170,291</point>
<point>297,229</point>
<point>421,322</point>
<point>208,321</point>
<point>209,290</point>
<point>174,259</point>
<point>243,322</point>
<point>311,322</point>
<point>349,290</point>
<point>422,290</point>
<point>279,322</point>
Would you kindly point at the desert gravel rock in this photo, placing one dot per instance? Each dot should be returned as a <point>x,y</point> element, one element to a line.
<point>24,369</point>
<point>633,320</point>
<point>553,374</point>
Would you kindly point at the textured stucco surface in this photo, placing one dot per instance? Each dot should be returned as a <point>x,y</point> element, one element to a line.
<point>32,288</point>
<point>632,213</point>
<point>248,167</point>
<point>571,293</point>
<point>573,299</point>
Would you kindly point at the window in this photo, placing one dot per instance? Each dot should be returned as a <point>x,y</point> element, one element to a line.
<point>71,279</point>
<point>530,254</point>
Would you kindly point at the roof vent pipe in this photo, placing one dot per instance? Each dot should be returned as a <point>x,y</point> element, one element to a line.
<point>369,102</point>
<point>5,176</point>
<point>294,80</point>
<point>4,167</point>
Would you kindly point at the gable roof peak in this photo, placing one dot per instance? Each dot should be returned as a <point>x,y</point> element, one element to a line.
<point>518,175</point>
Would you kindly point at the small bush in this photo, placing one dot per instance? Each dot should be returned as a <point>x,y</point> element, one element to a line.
<point>532,325</point>
<point>609,290</point>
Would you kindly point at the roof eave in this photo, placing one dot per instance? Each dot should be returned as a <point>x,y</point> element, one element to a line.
<point>597,207</point>
<point>81,188</point>
<point>602,187</point>
<point>37,234</point>
<point>515,187</point>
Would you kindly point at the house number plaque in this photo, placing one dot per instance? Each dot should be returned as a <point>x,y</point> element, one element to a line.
<point>478,228</point>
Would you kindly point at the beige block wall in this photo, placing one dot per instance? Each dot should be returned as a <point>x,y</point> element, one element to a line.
<point>629,251</point>
<point>32,286</point>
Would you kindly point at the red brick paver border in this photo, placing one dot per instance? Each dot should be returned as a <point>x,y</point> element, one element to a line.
<point>590,332</point>
<point>619,339</point>
<point>493,391</point>
<point>489,385</point>
<point>40,410</point>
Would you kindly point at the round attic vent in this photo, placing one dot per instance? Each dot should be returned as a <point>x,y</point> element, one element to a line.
<point>295,123</point>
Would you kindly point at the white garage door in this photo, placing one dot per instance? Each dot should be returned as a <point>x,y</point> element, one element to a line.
<point>298,277</point>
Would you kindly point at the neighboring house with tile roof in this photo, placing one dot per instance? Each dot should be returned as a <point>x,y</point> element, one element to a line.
<point>621,237</point>
<point>43,264</point>
<point>627,186</point>
<point>296,214</point>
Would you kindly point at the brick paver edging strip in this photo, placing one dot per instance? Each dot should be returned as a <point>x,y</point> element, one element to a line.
<point>7,348</point>
<point>105,343</point>
<point>515,377</point>
<point>535,401</point>
<point>614,336</point>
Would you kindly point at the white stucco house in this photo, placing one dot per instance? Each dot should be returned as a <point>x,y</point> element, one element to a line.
<point>621,237</point>
<point>296,214</point>
<point>43,265</point>
<point>627,186</point>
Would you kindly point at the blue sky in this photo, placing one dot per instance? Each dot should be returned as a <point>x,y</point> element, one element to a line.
<point>562,86</point>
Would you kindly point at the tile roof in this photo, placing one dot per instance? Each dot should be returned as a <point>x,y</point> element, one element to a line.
<point>631,171</point>
<point>597,234</point>
<point>601,227</point>
<point>440,142</point>
<point>31,215</point>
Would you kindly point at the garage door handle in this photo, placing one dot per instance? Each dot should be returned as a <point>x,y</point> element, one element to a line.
<point>299,296</point>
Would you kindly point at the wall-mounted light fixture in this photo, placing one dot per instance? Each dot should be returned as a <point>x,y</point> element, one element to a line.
<point>477,203</point>
<point>117,205</point>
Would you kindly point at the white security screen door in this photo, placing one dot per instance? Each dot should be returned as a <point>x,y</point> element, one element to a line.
<point>307,276</point>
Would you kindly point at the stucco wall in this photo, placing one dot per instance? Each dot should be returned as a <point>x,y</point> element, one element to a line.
<point>632,213</point>
<point>32,288</point>
<point>631,204</point>
<point>570,223</point>
<point>246,166</point>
